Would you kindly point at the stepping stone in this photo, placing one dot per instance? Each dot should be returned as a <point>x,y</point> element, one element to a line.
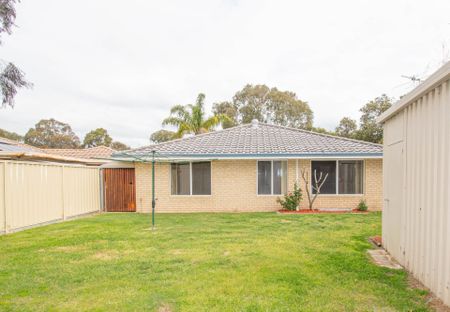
<point>382,258</point>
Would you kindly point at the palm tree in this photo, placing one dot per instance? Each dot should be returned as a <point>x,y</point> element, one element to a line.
<point>191,118</point>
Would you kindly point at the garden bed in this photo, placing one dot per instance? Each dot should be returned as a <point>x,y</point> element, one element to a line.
<point>317,211</point>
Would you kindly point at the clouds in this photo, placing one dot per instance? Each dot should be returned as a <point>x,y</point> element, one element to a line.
<point>121,65</point>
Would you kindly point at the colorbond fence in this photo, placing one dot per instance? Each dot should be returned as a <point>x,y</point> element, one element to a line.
<point>39,193</point>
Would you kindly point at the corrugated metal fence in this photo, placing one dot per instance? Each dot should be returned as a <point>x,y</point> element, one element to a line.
<point>416,215</point>
<point>36,193</point>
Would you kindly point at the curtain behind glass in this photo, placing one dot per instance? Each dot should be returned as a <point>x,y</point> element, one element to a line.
<point>350,177</point>
<point>201,178</point>
<point>264,177</point>
<point>180,178</point>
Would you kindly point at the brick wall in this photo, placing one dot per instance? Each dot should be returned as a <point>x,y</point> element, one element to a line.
<point>234,189</point>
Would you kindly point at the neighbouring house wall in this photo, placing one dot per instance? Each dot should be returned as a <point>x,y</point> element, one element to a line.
<point>416,213</point>
<point>234,188</point>
<point>36,193</point>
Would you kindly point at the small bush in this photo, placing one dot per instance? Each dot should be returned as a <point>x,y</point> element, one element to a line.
<point>292,199</point>
<point>362,206</point>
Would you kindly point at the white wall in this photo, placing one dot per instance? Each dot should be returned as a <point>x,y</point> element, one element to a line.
<point>416,213</point>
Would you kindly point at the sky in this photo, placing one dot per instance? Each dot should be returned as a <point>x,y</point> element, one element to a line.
<point>121,65</point>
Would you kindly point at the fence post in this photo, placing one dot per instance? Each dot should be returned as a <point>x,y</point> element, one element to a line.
<point>62,194</point>
<point>4,199</point>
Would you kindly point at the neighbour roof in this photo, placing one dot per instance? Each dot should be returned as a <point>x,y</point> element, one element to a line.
<point>257,140</point>
<point>431,82</point>
<point>7,145</point>
<point>92,152</point>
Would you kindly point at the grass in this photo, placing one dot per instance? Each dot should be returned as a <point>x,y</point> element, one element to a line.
<point>201,262</point>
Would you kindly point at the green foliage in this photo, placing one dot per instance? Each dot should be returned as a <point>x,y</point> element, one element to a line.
<point>228,109</point>
<point>362,206</point>
<point>268,105</point>
<point>322,130</point>
<point>369,129</point>
<point>119,146</point>
<point>191,118</point>
<point>347,128</point>
<point>50,133</point>
<point>162,136</point>
<point>201,262</point>
<point>291,200</point>
<point>97,137</point>
<point>11,135</point>
<point>11,77</point>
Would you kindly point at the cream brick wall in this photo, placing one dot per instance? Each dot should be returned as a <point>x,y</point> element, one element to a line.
<point>234,189</point>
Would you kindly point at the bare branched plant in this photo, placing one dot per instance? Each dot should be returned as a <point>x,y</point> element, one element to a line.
<point>315,187</point>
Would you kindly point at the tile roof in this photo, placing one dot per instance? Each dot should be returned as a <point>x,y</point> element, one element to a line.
<point>258,140</point>
<point>91,152</point>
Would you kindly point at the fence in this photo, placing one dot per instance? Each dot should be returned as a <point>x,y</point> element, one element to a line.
<point>39,193</point>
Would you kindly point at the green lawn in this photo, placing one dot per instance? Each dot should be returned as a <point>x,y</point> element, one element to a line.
<point>201,262</point>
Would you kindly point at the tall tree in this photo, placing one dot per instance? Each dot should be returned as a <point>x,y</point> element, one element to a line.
<point>11,77</point>
<point>347,128</point>
<point>191,118</point>
<point>50,133</point>
<point>369,129</point>
<point>119,146</point>
<point>11,135</point>
<point>228,109</point>
<point>97,137</point>
<point>268,105</point>
<point>162,136</point>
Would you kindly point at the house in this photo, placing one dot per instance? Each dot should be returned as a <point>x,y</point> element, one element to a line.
<point>246,168</point>
<point>94,156</point>
<point>98,152</point>
<point>416,212</point>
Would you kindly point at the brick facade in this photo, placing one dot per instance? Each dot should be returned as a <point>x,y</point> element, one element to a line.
<point>234,188</point>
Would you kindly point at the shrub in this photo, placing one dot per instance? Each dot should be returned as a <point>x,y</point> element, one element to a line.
<point>362,206</point>
<point>292,199</point>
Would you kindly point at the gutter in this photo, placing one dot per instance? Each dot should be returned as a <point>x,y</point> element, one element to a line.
<point>209,157</point>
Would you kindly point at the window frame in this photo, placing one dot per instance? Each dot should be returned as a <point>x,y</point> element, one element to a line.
<point>337,177</point>
<point>190,179</point>
<point>272,176</point>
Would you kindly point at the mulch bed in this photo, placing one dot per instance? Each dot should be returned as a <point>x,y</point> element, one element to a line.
<point>314,211</point>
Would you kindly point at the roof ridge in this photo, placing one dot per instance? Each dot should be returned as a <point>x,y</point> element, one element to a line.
<point>320,134</point>
<point>188,138</point>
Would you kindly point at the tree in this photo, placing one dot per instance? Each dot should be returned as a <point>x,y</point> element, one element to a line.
<point>11,135</point>
<point>369,129</point>
<point>347,128</point>
<point>50,133</point>
<point>162,136</point>
<point>268,105</point>
<point>315,187</point>
<point>191,118</point>
<point>322,130</point>
<point>119,146</point>
<point>228,109</point>
<point>97,137</point>
<point>11,77</point>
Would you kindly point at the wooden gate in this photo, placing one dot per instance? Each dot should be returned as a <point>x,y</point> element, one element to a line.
<point>120,190</point>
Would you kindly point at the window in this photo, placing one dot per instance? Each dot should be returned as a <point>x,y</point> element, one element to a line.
<point>324,167</point>
<point>201,178</point>
<point>350,177</point>
<point>191,178</point>
<point>344,176</point>
<point>272,177</point>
